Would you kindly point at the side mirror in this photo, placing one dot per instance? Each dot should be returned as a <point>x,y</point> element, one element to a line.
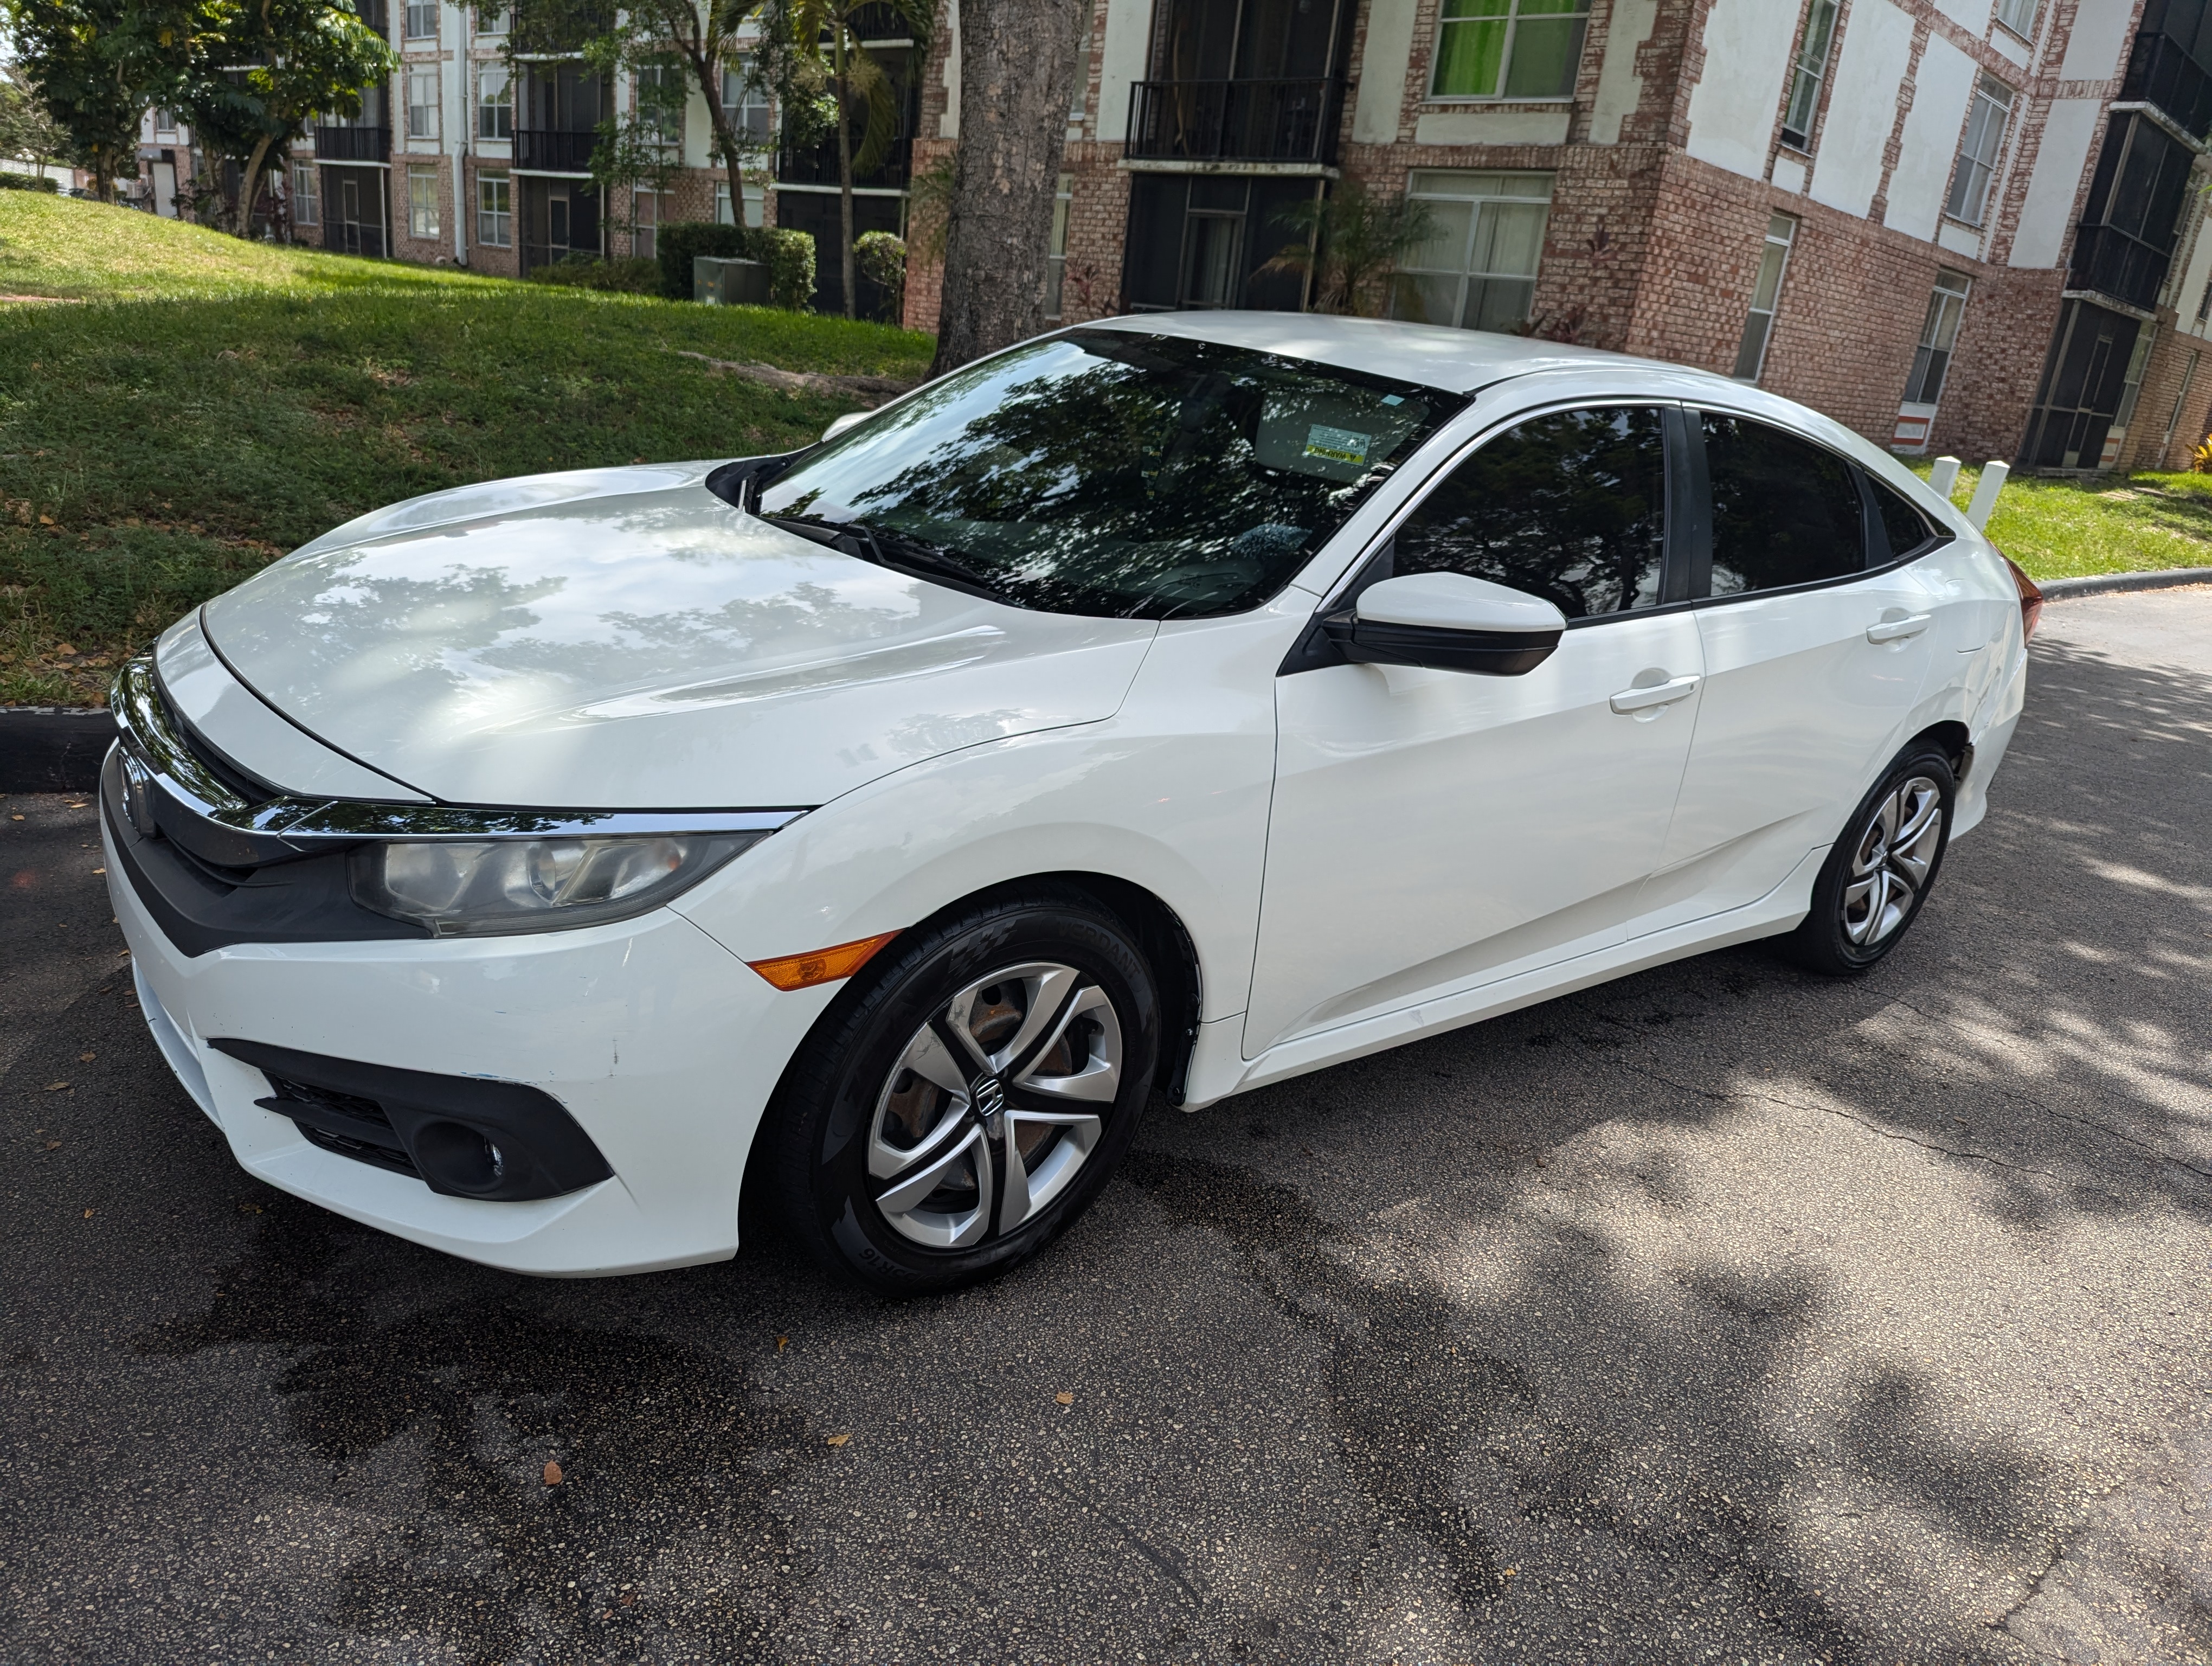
<point>850,419</point>
<point>1448,622</point>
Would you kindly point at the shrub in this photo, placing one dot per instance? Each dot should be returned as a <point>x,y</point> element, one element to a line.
<point>881,258</point>
<point>11,180</point>
<point>789,256</point>
<point>632,274</point>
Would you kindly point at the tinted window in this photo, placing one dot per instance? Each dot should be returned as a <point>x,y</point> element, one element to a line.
<point>1904,528</point>
<point>1784,511</point>
<point>1571,507</point>
<point>1109,472</point>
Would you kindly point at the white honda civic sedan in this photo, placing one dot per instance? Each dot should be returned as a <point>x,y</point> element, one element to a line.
<point>1171,704</point>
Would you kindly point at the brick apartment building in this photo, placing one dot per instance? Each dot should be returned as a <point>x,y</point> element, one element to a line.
<point>1969,226</point>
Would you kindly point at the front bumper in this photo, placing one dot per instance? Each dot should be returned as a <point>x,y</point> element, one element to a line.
<point>663,1046</point>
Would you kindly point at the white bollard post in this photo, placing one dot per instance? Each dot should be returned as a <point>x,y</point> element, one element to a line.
<point>1944,476</point>
<point>1985,493</point>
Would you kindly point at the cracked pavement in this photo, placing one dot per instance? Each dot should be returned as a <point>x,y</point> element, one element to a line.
<point>1716,1313</point>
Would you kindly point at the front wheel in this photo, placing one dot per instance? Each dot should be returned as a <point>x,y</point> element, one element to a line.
<point>1878,874</point>
<point>973,1098</point>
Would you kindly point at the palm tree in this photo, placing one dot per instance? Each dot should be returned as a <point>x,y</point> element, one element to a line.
<point>1350,241</point>
<point>829,61</point>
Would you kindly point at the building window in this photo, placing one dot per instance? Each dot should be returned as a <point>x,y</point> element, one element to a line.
<point>1079,97</point>
<point>649,211</point>
<point>422,104</point>
<point>1055,264</point>
<point>1939,337</point>
<point>1477,270</point>
<point>2132,384</point>
<point>422,202</point>
<point>494,103</point>
<point>307,195</point>
<point>1812,68</point>
<point>1509,49</point>
<point>422,20</point>
<point>660,96</point>
<point>755,205</point>
<point>744,105</point>
<point>1977,157</point>
<point>165,123</point>
<point>2180,399</point>
<point>2019,16</point>
<point>1765,294</point>
<point>489,21</point>
<point>495,212</point>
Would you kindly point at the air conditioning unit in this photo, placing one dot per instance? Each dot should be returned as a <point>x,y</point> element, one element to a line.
<point>719,282</point>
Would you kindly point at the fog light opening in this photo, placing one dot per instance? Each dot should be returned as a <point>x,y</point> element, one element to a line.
<point>458,1158</point>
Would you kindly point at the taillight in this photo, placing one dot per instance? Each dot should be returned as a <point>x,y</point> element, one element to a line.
<point>2031,599</point>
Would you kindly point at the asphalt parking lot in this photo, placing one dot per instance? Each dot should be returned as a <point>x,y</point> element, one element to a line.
<point>1717,1314</point>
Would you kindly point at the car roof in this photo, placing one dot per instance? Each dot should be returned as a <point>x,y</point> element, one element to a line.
<point>1456,360</point>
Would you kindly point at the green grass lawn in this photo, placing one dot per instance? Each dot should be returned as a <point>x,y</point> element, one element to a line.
<point>2070,528</point>
<point>195,405</point>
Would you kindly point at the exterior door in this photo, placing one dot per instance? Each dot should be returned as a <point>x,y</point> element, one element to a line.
<point>1810,671</point>
<point>1434,830</point>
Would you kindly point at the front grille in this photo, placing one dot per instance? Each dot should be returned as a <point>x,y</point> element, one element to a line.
<point>345,1123</point>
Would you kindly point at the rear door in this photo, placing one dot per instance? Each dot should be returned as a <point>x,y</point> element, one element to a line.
<point>1817,638</point>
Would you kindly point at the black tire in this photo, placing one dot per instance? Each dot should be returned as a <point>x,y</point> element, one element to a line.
<point>842,1105</point>
<point>1873,885</point>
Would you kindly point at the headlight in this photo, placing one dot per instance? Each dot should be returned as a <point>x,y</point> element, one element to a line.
<point>474,887</point>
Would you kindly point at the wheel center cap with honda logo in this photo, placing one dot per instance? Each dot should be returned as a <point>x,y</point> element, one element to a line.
<point>988,1095</point>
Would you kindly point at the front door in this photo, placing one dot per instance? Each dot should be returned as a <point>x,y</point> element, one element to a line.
<point>1434,830</point>
<point>1810,671</point>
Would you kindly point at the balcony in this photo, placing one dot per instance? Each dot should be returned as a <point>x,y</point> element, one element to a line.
<point>818,166</point>
<point>1235,121</point>
<point>2161,72</point>
<point>2109,262</point>
<point>352,144</point>
<point>554,150</point>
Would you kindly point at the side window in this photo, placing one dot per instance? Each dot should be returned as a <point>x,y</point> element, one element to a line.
<point>1571,507</point>
<point>1903,529</point>
<point>1784,511</point>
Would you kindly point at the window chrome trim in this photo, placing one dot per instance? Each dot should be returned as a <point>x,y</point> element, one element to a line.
<point>209,817</point>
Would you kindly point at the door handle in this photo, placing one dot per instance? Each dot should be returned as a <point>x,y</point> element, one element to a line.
<point>1659,694</point>
<point>1896,630</point>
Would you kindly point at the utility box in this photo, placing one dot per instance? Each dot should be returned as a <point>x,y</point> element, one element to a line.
<point>720,282</point>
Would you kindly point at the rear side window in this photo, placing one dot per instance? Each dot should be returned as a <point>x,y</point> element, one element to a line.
<point>1784,511</point>
<point>1571,507</point>
<point>1902,528</point>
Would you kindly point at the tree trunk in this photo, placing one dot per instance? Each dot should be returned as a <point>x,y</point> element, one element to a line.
<point>845,177</point>
<point>245,185</point>
<point>1017,70</point>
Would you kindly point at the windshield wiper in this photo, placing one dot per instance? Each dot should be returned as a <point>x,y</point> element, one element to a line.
<point>900,552</point>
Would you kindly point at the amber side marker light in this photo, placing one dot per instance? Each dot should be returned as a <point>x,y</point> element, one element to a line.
<point>804,971</point>
<point>2031,599</point>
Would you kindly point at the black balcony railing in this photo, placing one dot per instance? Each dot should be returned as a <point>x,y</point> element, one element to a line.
<point>352,144</point>
<point>2161,72</point>
<point>819,166</point>
<point>1240,121</point>
<point>2109,262</point>
<point>553,150</point>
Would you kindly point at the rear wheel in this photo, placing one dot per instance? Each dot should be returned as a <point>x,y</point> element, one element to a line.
<point>1878,874</point>
<point>974,1097</point>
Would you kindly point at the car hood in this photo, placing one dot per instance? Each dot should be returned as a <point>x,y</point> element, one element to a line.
<point>624,639</point>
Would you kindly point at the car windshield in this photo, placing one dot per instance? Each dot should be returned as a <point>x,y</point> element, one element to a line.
<point>1109,472</point>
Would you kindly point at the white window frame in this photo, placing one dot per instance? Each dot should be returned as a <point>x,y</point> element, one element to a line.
<point>1809,73</point>
<point>1511,18</point>
<point>664,135</point>
<point>1055,259</point>
<point>415,11</point>
<point>751,110</point>
<point>1774,254</point>
<point>422,117</point>
<point>1989,120</point>
<point>2131,380</point>
<point>649,211</point>
<point>493,20</point>
<point>307,195</point>
<point>2021,16</point>
<point>495,112</point>
<point>1939,334</point>
<point>1481,188</point>
<point>494,211</point>
<point>755,205</point>
<point>422,216</point>
<point>2180,398</point>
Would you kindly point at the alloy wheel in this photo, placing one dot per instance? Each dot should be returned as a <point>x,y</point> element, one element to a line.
<point>1890,866</point>
<point>995,1104</point>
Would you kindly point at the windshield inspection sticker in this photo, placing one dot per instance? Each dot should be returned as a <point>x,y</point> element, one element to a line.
<point>1339,445</point>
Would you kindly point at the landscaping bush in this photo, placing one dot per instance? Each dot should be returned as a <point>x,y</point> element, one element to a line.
<point>630,274</point>
<point>881,258</point>
<point>788,255</point>
<point>11,180</point>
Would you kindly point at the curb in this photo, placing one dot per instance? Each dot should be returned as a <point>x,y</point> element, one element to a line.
<point>52,749</point>
<point>2107,584</point>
